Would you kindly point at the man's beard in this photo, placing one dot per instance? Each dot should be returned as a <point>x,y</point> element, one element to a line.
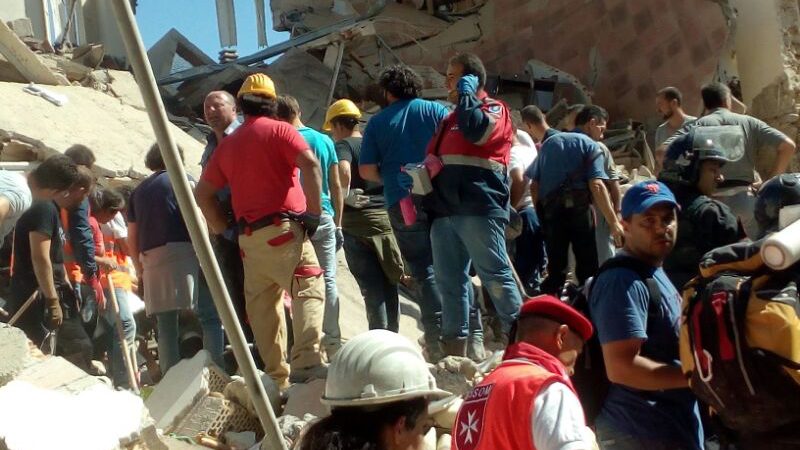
<point>667,115</point>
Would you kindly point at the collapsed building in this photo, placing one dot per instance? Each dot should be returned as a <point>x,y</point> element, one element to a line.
<point>615,53</point>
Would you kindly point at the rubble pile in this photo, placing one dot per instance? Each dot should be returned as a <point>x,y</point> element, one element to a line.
<point>55,100</point>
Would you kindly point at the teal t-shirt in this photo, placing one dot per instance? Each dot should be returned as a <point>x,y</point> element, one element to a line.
<point>323,148</point>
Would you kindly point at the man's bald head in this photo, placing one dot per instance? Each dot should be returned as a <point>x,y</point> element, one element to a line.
<point>219,109</point>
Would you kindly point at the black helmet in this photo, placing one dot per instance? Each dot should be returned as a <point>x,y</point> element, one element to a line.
<point>782,190</point>
<point>684,155</point>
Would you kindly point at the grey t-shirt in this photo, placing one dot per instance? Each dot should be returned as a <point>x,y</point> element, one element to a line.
<point>14,187</point>
<point>664,131</point>
<point>608,163</point>
<point>757,134</point>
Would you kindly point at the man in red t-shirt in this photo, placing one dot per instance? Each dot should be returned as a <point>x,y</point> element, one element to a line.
<point>260,162</point>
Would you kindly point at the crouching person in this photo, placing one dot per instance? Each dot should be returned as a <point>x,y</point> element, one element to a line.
<point>529,402</point>
<point>38,262</point>
<point>378,388</point>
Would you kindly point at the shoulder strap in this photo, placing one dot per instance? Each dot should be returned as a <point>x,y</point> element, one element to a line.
<point>643,271</point>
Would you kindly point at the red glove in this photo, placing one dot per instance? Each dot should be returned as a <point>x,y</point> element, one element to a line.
<point>433,164</point>
<point>99,297</point>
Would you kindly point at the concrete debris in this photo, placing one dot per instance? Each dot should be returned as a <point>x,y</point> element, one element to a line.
<point>236,391</point>
<point>240,440</point>
<point>14,348</point>
<point>116,417</point>
<point>24,60</point>
<point>40,389</point>
<point>291,426</point>
<point>182,386</point>
<point>306,399</point>
<point>213,416</point>
<point>455,374</point>
<point>22,27</point>
<point>117,133</point>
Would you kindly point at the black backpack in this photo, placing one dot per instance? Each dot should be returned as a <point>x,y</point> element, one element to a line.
<point>590,379</point>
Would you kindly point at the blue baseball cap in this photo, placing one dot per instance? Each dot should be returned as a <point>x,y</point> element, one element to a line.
<point>643,196</point>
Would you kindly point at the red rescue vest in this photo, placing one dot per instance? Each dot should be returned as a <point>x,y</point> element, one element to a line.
<point>496,415</point>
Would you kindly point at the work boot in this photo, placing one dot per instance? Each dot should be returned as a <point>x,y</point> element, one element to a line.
<point>431,349</point>
<point>455,347</point>
<point>475,348</point>
<point>306,374</point>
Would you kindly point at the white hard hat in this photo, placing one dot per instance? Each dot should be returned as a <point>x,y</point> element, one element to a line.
<point>378,367</point>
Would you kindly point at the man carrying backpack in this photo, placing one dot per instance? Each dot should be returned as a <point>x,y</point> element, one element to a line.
<point>636,311</point>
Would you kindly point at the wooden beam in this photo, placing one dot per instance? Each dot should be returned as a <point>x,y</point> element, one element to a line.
<point>26,62</point>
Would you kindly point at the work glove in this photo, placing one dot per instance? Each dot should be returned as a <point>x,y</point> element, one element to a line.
<point>54,317</point>
<point>356,199</point>
<point>468,84</point>
<point>311,223</point>
<point>433,164</point>
<point>339,238</point>
<point>405,181</point>
<point>99,297</point>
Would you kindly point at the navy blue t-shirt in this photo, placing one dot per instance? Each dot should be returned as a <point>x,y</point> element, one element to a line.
<point>618,305</point>
<point>399,135</point>
<point>562,155</point>
<point>154,208</point>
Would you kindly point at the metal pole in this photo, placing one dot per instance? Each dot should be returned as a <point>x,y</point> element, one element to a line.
<point>126,23</point>
<point>336,68</point>
<point>123,342</point>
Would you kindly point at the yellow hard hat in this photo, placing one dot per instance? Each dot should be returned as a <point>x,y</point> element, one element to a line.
<point>343,107</point>
<point>258,84</point>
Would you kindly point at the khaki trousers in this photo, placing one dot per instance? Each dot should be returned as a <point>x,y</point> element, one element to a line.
<point>280,258</point>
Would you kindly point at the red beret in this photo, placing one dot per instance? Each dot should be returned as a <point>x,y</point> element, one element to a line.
<point>549,306</point>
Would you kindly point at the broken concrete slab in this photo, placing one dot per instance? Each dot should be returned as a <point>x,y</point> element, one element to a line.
<point>303,76</point>
<point>119,135</point>
<point>306,399</point>
<point>22,27</point>
<point>123,86</point>
<point>213,416</point>
<point>182,386</point>
<point>116,417</point>
<point>90,55</point>
<point>25,61</point>
<point>16,355</point>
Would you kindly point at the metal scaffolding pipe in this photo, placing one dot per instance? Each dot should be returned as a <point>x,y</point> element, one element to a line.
<point>137,56</point>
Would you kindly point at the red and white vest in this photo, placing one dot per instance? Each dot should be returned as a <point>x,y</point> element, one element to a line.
<point>496,415</point>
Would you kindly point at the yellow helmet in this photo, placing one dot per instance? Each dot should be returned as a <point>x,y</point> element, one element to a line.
<point>343,107</point>
<point>258,84</point>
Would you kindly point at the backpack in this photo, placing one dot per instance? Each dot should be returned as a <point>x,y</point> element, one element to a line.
<point>740,339</point>
<point>590,379</point>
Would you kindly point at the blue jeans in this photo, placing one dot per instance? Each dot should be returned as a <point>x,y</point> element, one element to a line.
<point>118,371</point>
<point>213,334</point>
<point>531,257</point>
<point>380,294</point>
<point>457,240</point>
<point>415,245</point>
<point>609,438</point>
<point>324,242</point>
<point>169,351</point>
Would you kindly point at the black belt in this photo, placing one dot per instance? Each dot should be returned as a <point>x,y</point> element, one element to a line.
<point>271,219</point>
